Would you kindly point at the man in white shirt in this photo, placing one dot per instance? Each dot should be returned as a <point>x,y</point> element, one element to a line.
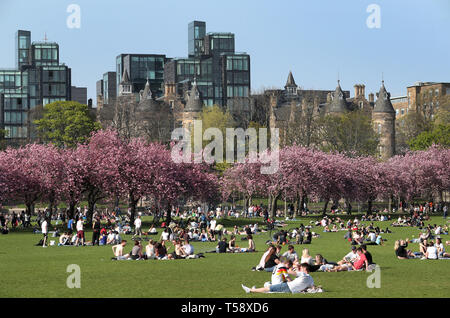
<point>188,248</point>
<point>291,254</point>
<point>372,237</point>
<point>302,282</point>
<point>44,228</point>
<point>137,226</point>
<point>350,257</point>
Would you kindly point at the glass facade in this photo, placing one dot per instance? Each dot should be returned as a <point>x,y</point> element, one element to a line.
<point>196,34</point>
<point>221,74</point>
<point>141,67</point>
<point>23,42</point>
<point>38,80</point>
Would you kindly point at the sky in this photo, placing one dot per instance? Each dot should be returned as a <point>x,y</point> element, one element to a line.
<point>318,40</point>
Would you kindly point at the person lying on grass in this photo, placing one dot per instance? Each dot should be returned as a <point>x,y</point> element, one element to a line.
<point>359,264</point>
<point>302,282</point>
<point>321,264</point>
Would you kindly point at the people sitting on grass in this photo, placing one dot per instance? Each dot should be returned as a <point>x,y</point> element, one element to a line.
<point>291,254</point>
<point>306,258</point>
<point>431,252</point>
<point>65,239</point>
<point>271,259</point>
<point>321,264</point>
<point>441,249</point>
<point>150,250</point>
<point>400,250</point>
<point>349,257</point>
<point>280,272</point>
<point>222,246</point>
<point>160,251</point>
<point>118,251</point>
<point>301,283</point>
<point>136,251</point>
<point>359,264</point>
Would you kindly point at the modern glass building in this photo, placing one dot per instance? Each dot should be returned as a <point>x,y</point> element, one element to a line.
<point>38,79</point>
<point>220,72</point>
<point>141,67</point>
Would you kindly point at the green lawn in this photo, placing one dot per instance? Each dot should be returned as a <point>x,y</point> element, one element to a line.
<point>30,271</point>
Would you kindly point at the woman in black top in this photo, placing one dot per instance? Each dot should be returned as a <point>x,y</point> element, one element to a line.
<point>400,250</point>
<point>271,260</point>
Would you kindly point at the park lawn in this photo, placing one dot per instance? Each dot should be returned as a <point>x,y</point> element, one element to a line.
<point>31,271</point>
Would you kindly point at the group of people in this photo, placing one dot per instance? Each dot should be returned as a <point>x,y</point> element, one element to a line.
<point>290,263</point>
<point>155,250</point>
<point>427,249</point>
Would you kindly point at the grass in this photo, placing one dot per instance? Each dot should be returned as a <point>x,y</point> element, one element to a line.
<point>31,271</point>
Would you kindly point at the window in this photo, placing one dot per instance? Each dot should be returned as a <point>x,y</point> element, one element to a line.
<point>23,42</point>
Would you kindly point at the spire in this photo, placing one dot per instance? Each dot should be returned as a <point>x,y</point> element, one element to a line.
<point>125,84</point>
<point>338,103</point>
<point>147,93</point>
<point>193,100</point>
<point>290,81</point>
<point>383,103</point>
<point>125,77</point>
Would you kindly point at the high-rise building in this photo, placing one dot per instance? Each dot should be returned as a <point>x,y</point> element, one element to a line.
<point>222,75</point>
<point>140,68</point>
<point>37,79</point>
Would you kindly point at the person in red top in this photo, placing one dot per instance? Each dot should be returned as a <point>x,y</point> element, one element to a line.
<point>362,260</point>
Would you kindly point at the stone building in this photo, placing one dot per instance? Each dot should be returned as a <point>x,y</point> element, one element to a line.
<point>383,117</point>
<point>288,105</point>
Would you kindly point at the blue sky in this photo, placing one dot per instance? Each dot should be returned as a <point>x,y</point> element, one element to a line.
<point>315,39</point>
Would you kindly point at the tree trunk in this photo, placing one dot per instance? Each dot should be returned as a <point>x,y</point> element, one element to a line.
<point>349,207</point>
<point>169,214</point>
<point>296,205</point>
<point>71,210</point>
<point>273,207</point>
<point>325,206</point>
<point>369,207</point>
<point>116,202</point>
<point>246,202</point>
<point>30,209</point>
<point>132,203</point>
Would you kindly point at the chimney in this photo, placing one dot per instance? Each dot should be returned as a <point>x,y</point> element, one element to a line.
<point>356,86</point>
<point>363,90</point>
<point>371,98</point>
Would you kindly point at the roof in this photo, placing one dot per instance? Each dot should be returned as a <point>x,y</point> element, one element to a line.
<point>383,103</point>
<point>147,93</point>
<point>290,81</point>
<point>282,113</point>
<point>125,78</point>
<point>194,102</point>
<point>339,103</point>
